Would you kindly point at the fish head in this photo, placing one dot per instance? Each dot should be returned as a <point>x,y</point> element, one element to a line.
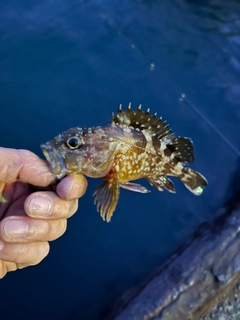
<point>63,152</point>
<point>78,150</point>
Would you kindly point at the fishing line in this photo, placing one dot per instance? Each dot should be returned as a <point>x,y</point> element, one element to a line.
<point>201,114</point>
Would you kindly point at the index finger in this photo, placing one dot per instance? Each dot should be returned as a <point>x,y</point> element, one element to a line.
<point>24,166</point>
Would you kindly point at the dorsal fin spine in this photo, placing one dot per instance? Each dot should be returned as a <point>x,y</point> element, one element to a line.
<point>142,121</point>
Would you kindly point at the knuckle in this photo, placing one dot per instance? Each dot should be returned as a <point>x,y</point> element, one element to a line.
<point>64,226</point>
<point>24,252</point>
<point>26,154</point>
<point>58,228</point>
<point>31,254</point>
<point>42,251</point>
<point>3,269</point>
<point>18,253</point>
<point>36,254</point>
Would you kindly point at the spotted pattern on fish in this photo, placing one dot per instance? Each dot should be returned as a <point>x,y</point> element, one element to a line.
<point>135,145</point>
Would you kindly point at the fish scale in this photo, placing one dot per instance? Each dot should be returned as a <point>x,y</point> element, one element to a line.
<point>135,145</point>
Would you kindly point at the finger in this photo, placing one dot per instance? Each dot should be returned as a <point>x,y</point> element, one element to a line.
<point>5,267</point>
<point>17,229</point>
<point>25,166</point>
<point>47,205</point>
<point>24,254</point>
<point>72,187</point>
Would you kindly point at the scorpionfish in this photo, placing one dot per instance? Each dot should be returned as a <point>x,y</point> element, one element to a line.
<point>135,145</point>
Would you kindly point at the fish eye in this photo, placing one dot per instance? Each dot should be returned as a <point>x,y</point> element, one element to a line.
<point>74,143</point>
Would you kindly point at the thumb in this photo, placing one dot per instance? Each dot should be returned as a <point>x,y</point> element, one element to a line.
<point>24,166</point>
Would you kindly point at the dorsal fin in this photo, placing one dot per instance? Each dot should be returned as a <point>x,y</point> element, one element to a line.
<point>181,147</point>
<point>143,121</point>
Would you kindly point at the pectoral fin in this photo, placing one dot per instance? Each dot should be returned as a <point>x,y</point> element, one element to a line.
<point>106,197</point>
<point>163,183</point>
<point>134,187</point>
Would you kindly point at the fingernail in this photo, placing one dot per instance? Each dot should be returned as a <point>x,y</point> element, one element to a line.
<point>15,228</point>
<point>40,205</point>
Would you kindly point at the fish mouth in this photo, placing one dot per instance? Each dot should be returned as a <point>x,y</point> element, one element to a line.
<point>55,160</point>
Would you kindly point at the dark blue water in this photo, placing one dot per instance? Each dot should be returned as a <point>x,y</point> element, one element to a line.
<point>71,63</point>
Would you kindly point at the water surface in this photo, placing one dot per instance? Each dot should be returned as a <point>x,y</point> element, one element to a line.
<point>71,63</point>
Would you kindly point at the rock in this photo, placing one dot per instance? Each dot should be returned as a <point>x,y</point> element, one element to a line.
<point>201,280</point>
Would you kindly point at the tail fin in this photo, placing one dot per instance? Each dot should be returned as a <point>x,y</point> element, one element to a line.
<point>194,181</point>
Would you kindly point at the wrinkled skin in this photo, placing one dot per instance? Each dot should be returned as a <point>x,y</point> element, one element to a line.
<point>25,182</point>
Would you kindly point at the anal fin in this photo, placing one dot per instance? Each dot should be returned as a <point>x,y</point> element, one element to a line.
<point>163,183</point>
<point>134,187</point>
<point>106,197</point>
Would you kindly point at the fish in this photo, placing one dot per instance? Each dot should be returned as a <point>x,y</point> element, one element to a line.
<point>134,145</point>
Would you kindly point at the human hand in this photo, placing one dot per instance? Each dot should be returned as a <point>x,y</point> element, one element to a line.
<point>31,214</point>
